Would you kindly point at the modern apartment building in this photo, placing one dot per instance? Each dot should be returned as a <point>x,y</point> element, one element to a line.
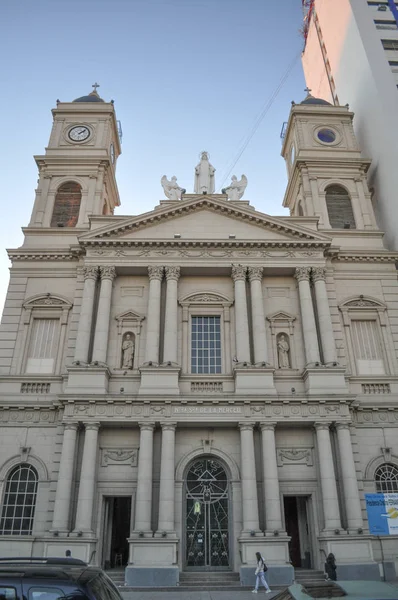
<point>351,57</point>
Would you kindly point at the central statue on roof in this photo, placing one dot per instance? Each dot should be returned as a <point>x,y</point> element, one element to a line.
<point>204,176</point>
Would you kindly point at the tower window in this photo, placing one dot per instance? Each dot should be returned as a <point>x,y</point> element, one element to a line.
<point>67,205</point>
<point>339,207</point>
<point>327,136</point>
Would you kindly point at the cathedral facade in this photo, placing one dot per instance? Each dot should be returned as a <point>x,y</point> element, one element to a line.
<point>187,387</point>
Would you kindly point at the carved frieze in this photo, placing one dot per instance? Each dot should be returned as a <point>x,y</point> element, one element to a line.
<point>295,456</point>
<point>27,414</point>
<point>119,456</point>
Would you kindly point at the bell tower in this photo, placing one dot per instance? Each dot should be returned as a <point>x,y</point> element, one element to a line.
<point>77,171</point>
<point>327,174</point>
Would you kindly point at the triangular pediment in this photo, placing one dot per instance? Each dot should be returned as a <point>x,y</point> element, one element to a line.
<point>129,315</point>
<point>281,316</point>
<point>204,218</point>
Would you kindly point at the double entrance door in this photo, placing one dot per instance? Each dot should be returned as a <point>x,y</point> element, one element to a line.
<point>207,512</point>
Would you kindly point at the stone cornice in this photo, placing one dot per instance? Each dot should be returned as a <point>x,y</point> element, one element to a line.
<point>164,243</point>
<point>365,256</point>
<point>46,255</point>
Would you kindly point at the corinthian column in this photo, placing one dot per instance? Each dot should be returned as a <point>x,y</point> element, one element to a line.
<point>166,491</point>
<point>324,318</point>
<point>103,314</point>
<point>86,314</point>
<point>258,317</point>
<point>65,477</point>
<point>170,321</point>
<point>143,503</point>
<point>272,501</point>
<point>248,478</point>
<point>350,483</point>
<point>302,275</point>
<point>84,512</point>
<point>331,509</point>
<point>153,315</point>
<point>241,319</point>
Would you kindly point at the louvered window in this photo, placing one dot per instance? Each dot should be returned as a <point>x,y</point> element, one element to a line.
<point>43,345</point>
<point>367,348</point>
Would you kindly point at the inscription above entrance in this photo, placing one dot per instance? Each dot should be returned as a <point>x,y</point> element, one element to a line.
<point>208,409</point>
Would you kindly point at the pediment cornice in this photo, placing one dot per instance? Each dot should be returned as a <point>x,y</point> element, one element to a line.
<point>221,206</point>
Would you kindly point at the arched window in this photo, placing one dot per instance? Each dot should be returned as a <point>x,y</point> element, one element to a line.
<point>67,205</point>
<point>339,207</point>
<point>386,478</point>
<point>19,501</point>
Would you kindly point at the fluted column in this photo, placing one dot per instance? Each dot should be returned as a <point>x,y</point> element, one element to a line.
<point>166,489</point>
<point>248,478</point>
<point>103,314</point>
<point>350,483</point>
<point>302,275</point>
<point>84,512</point>
<point>241,319</point>
<point>86,314</point>
<point>65,478</point>
<point>331,509</point>
<point>272,501</point>
<point>170,321</point>
<point>324,317</point>
<point>143,502</point>
<point>153,315</point>
<point>258,316</point>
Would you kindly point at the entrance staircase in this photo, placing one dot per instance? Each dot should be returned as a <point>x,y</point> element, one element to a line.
<point>308,576</point>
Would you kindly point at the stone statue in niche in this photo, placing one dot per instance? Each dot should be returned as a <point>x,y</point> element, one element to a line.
<point>128,348</point>
<point>236,188</point>
<point>204,176</point>
<point>283,351</point>
<point>171,189</point>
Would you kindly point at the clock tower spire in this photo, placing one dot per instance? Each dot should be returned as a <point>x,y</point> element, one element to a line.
<point>77,172</point>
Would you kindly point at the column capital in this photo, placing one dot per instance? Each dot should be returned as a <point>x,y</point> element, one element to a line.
<point>92,426</point>
<point>168,426</point>
<point>90,273</point>
<point>107,272</point>
<point>172,273</point>
<point>302,273</point>
<point>340,426</point>
<point>270,426</point>
<point>318,273</point>
<point>239,273</point>
<point>155,273</point>
<point>322,426</point>
<point>246,426</point>
<point>146,426</point>
<point>255,273</point>
<point>71,426</point>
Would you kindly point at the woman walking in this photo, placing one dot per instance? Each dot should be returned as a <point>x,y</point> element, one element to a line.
<point>259,572</point>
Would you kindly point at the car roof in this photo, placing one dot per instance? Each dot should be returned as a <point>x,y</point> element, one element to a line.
<point>67,569</point>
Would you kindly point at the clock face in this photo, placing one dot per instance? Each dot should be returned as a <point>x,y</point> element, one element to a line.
<point>112,151</point>
<point>79,133</point>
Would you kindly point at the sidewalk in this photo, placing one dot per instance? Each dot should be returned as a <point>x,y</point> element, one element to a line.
<point>159,595</point>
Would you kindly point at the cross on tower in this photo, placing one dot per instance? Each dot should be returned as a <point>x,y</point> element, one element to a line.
<point>307,89</point>
<point>95,86</point>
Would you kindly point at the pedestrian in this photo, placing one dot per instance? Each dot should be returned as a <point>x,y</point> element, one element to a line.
<point>68,554</point>
<point>259,572</point>
<point>330,567</point>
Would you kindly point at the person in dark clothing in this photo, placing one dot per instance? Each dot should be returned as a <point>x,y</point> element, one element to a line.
<point>330,567</point>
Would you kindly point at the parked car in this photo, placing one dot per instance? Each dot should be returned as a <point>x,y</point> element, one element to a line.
<point>54,579</point>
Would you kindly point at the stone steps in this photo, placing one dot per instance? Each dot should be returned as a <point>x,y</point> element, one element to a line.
<point>304,576</point>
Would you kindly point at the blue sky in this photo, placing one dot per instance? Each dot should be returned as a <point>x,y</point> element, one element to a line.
<point>185,75</point>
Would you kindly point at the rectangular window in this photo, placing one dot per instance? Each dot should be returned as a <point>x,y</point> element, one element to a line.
<point>380,24</point>
<point>206,345</point>
<point>367,348</point>
<point>390,44</point>
<point>43,346</point>
<point>8,593</point>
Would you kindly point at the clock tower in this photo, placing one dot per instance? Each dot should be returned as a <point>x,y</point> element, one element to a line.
<point>77,171</point>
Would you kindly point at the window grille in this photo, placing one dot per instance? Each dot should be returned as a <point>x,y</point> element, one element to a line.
<point>386,478</point>
<point>339,207</point>
<point>19,501</point>
<point>43,346</point>
<point>206,344</point>
<point>367,348</point>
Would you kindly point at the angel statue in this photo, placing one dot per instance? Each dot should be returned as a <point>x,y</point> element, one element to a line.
<point>171,189</point>
<point>236,189</point>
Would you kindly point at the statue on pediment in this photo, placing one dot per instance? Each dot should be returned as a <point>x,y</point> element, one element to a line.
<point>171,189</point>
<point>236,188</point>
<point>204,176</point>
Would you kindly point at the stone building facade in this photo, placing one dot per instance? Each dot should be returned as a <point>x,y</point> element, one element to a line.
<point>188,386</point>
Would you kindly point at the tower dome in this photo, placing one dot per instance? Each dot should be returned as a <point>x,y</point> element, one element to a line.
<point>312,100</point>
<point>92,97</point>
